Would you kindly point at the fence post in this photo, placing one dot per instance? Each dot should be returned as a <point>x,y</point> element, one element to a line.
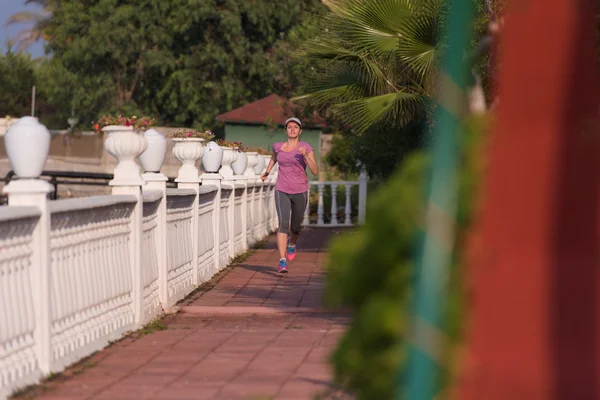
<point>244,181</point>
<point>334,219</point>
<point>29,190</point>
<point>128,185</point>
<point>231,216</point>
<point>215,179</point>
<point>272,212</point>
<point>251,204</point>
<point>320,221</point>
<point>34,192</point>
<point>259,211</point>
<point>192,182</point>
<point>362,197</point>
<point>158,182</point>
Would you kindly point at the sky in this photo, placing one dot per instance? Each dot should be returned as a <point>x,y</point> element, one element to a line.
<point>8,8</point>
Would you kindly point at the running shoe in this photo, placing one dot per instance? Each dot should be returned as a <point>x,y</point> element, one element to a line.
<point>291,252</point>
<point>282,266</point>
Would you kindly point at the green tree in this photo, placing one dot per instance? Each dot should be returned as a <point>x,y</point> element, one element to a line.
<point>379,150</point>
<point>107,46</point>
<point>17,76</point>
<point>230,57</point>
<point>183,61</point>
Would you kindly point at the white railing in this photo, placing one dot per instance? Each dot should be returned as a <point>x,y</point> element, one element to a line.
<point>70,286</point>
<point>150,253</point>
<point>339,213</point>
<point>206,239</point>
<point>180,271</point>
<point>90,279</point>
<point>76,274</point>
<point>19,362</point>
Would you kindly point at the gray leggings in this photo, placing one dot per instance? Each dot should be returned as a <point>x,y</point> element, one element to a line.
<point>290,211</point>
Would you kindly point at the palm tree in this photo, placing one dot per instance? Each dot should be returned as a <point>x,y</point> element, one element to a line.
<point>38,20</point>
<point>382,60</point>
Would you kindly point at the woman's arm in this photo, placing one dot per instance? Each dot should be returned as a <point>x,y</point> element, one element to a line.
<point>272,162</point>
<point>310,160</point>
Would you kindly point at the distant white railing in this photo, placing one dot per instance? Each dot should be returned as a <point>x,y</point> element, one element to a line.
<point>348,218</point>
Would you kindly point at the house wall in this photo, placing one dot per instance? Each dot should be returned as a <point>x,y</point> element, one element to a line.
<point>259,136</point>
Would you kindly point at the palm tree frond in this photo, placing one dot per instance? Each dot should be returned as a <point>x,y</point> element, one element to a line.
<point>382,57</point>
<point>362,113</point>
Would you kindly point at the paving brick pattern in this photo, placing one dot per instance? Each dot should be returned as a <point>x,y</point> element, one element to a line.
<point>255,334</point>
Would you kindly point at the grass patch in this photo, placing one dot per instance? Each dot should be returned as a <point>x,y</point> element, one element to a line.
<point>27,392</point>
<point>80,369</point>
<point>240,258</point>
<point>154,326</point>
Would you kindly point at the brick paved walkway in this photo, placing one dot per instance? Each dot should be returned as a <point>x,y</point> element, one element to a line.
<point>255,335</point>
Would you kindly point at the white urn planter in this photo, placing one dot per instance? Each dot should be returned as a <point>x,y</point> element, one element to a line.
<point>27,145</point>
<point>252,160</point>
<point>153,158</point>
<point>239,166</point>
<point>229,156</point>
<point>188,151</point>
<point>213,155</point>
<point>123,143</point>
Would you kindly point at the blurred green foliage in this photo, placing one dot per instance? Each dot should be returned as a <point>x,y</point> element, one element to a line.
<point>371,271</point>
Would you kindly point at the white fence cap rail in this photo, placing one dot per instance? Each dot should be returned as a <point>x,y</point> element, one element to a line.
<point>18,212</point>
<point>86,203</point>
<point>181,192</point>
<point>152,195</point>
<point>207,189</point>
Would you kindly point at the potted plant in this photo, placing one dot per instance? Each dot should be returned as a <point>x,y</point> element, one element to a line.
<point>230,155</point>
<point>125,143</point>
<point>188,148</point>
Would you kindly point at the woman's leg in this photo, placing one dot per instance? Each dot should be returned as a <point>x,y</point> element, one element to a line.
<point>283,207</point>
<point>298,206</point>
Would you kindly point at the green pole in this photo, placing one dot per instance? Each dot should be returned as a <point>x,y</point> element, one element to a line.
<point>434,256</point>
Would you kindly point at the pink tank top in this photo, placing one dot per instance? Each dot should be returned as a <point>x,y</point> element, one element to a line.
<point>292,177</point>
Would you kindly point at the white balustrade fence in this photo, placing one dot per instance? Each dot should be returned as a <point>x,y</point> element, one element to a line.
<point>90,294</point>
<point>76,274</point>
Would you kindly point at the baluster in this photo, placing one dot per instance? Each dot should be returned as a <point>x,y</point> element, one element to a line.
<point>320,207</point>
<point>306,220</point>
<point>334,220</point>
<point>348,220</point>
<point>362,197</point>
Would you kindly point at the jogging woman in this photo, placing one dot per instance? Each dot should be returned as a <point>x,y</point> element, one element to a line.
<point>291,189</point>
